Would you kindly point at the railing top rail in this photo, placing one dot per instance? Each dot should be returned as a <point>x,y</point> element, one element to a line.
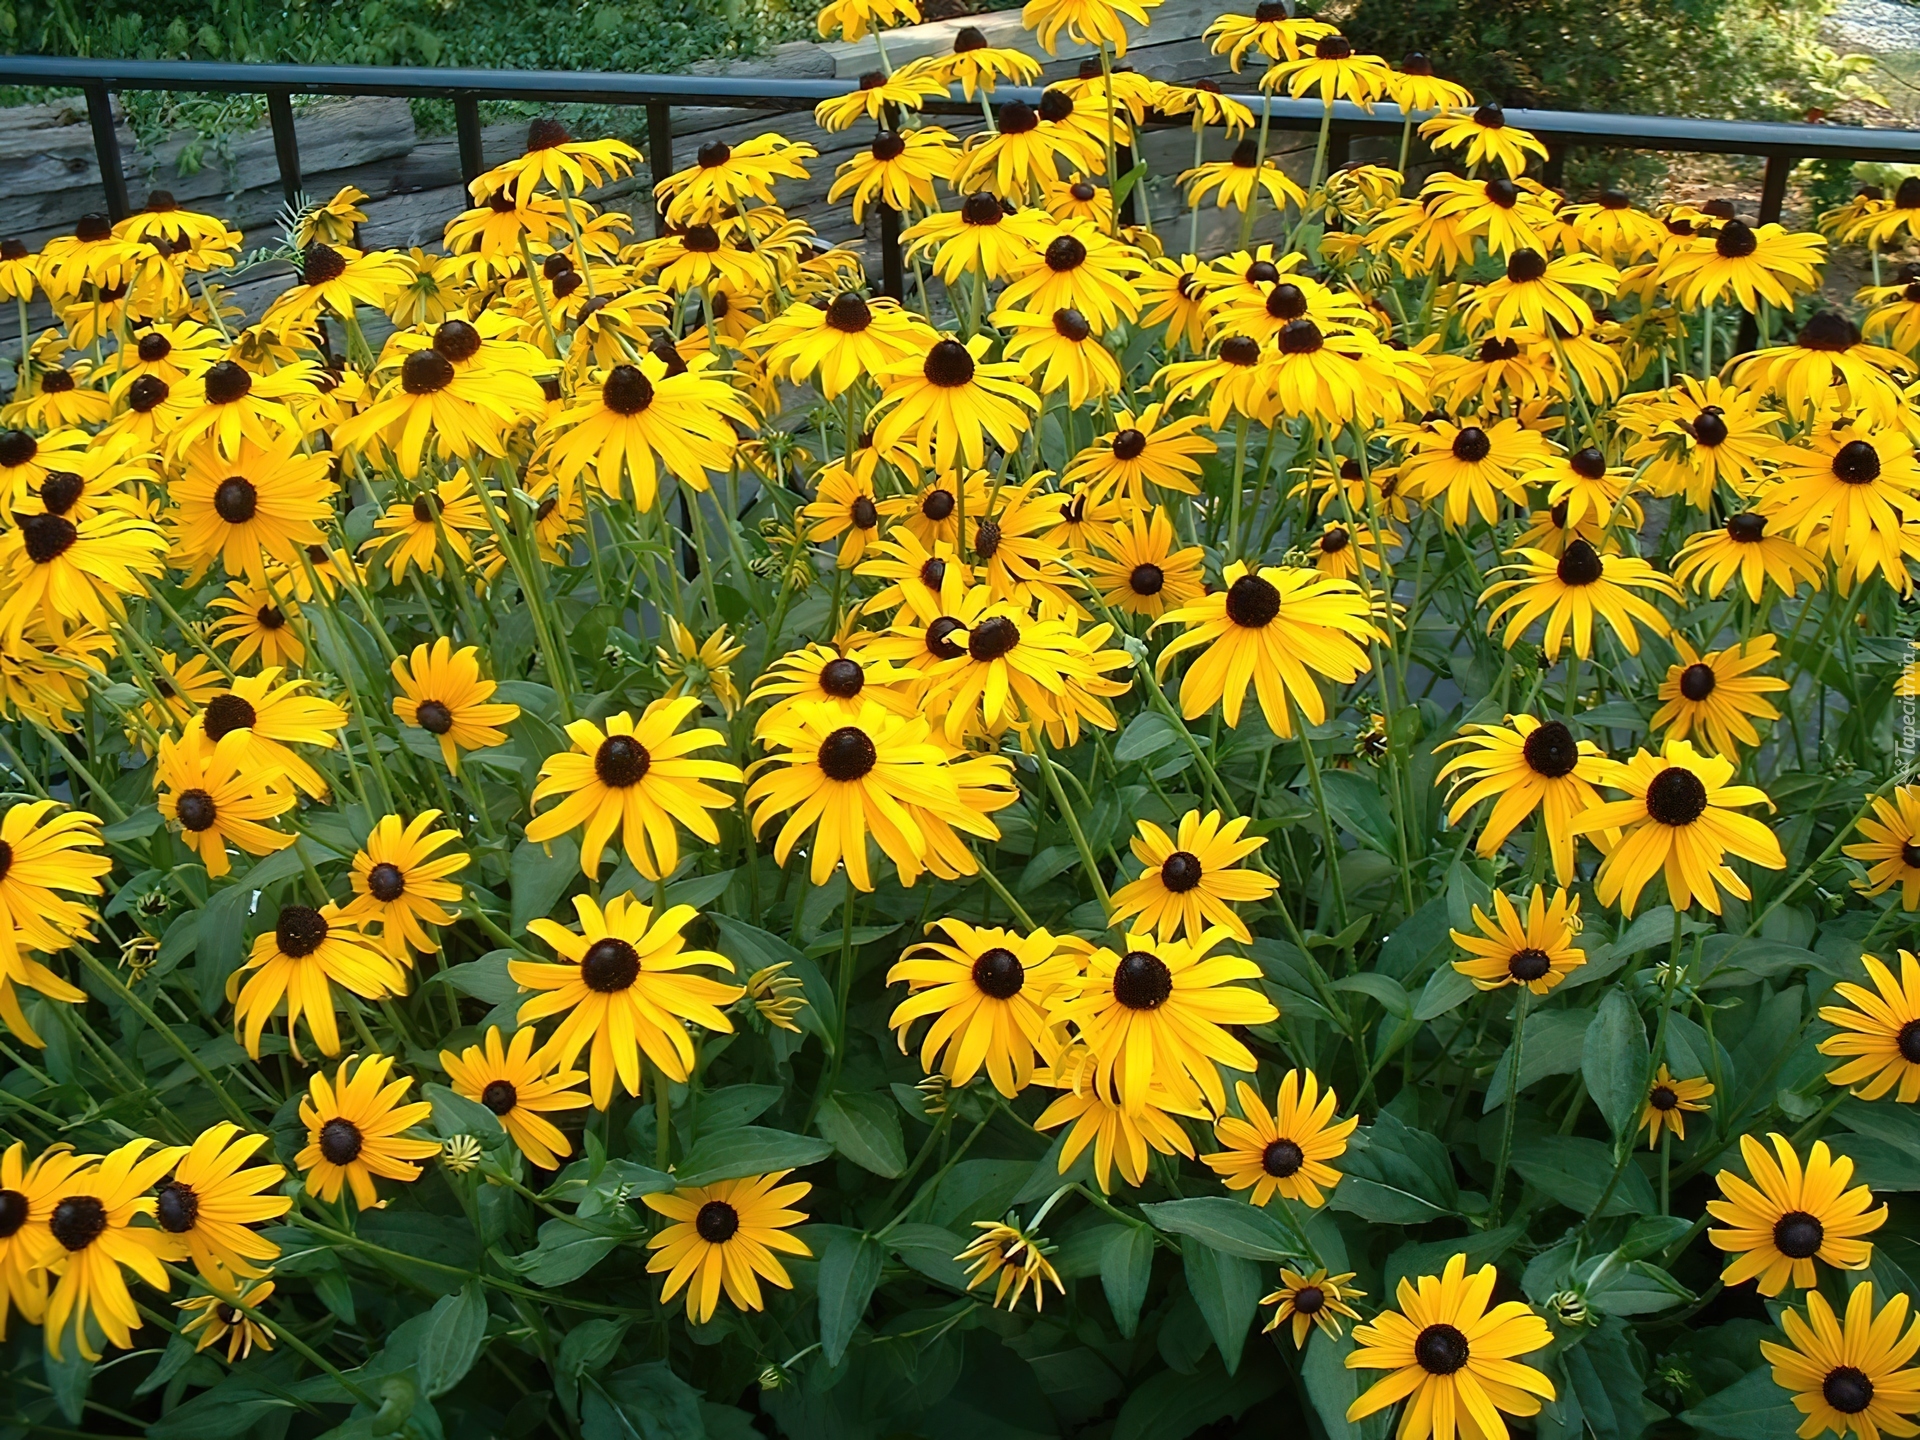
<point>1562,128</point>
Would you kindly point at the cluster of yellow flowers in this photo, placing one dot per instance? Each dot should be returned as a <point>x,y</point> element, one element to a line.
<point>1080,440</point>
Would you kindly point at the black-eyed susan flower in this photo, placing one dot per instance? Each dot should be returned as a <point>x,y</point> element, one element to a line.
<point>335,280</point>
<point>297,964</point>
<point>982,238</point>
<point>1716,696</point>
<point>210,1203</point>
<point>1121,1136</point>
<point>897,169</point>
<point>820,674</point>
<point>261,504</point>
<point>28,1193</point>
<point>555,159</point>
<point>1741,549</point>
<point>1895,315</point>
<point>1270,32</point>
<point>1147,448</point>
<point>724,175</point>
<point>1829,369</point>
<point>1669,1102</point>
<point>1192,879</point>
<point>443,693</point>
<point>1750,264</point>
<point>431,530</point>
<point>47,852</point>
<point>1784,1217</point>
<point>844,341</point>
<point>1234,182</point>
<point>1454,1361</point>
<point>620,984</point>
<point>1075,268</point>
<point>1348,552</point>
<point>91,255</point>
<point>1614,230</point>
<point>1013,1256</point>
<point>66,575</point>
<point>854,18</point>
<point>216,1315</point>
<point>949,402</point>
<point>876,774</point>
<point>724,1237</point>
<point>1880,1030</point>
<point>1284,1151</point>
<point>1304,1302</point>
<point>1537,292</point>
<point>694,667</point>
<point>639,777</point>
<point>640,418</point>
<point>1012,668</point>
<point>1140,572</point>
<point>1569,591</point>
<point>1848,491</point>
<point>522,1087</point>
<point>878,96</point>
<point>1535,950</point>
<point>1158,1014</point>
<point>1486,138</point>
<point>218,800</point>
<point>1062,351</point>
<point>1530,765</point>
<point>355,1124</point>
<point>90,1240</point>
<point>1335,70</point>
<point>258,625</point>
<point>1850,1378</point>
<point>402,885</point>
<point>1890,848</point>
<point>334,222</point>
<point>259,719</point>
<point>1414,86</point>
<point>1472,465</point>
<point>1681,818</point>
<point>986,990</point>
<point>227,402</point>
<point>843,508</point>
<point>1276,629</point>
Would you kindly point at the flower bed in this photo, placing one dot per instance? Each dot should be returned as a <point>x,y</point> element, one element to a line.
<point>1135,844</point>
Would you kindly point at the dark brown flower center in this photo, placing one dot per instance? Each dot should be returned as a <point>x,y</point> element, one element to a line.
<point>1146,579</point>
<point>626,390</point>
<point>717,1222</point>
<point>621,761</point>
<point>1848,1388</point>
<point>888,145</point>
<point>949,365</point>
<point>1141,981</point>
<point>933,573</point>
<point>320,264</point>
<point>17,447</point>
<point>1798,1235</point>
<point>1676,797</point>
<point>843,679</point>
<point>969,38</point>
<point>545,133</point>
<point>1016,118</point>
<point>847,754</point>
<point>937,505</point>
<point>1502,192</point>
<point>176,1207</point>
<point>1335,540</point>
<point>93,227</point>
<point>227,381</point>
<point>849,313</point>
<point>1709,428</point>
<point>1697,682</point>
<point>196,810</point>
<point>47,537</point>
<point>1588,464</point>
<point>226,714</point>
<point>300,930</point>
<point>1663,1098</point>
<point>1551,750</point>
<point>610,964</point>
<point>386,882</point>
<point>1240,350</point>
<point>940,642</point>
<point>1526,266</point>
<point>1441,1350</point>
<point>986,540</point>
<point>78,1221</point>
<point>1581,565</point>
<point>1064,254</point>
<point>1252,602</point>
<point>1301,337</point>
<point>1180,871</point>
<point>980,208</point>
<point>435,717</point>
<point>340,1141</point>
<point>1309,1300</point>
<point>13,1212</point>
<point>1907,1042</point>
<point>426,372</point>
<point>1856,463</point>
<point>147,393</point>
<point>457,340</point>
<point>1490,117</point>
<point>992,638</point>
<point>1128,444</point>
<point>1747,529</point>
<point>1056,106</point>
<point>999,973</point>
<point>1497,348</point>
<point>863,512</point>
<point>1472,445</point>
<point>1282,1158</point>
<point>236,500</point>
<point>1071,325</point>
<point>1828,330</point>
<point>1528,965</point>
<point>61,491</point>
<point>500,1096</point>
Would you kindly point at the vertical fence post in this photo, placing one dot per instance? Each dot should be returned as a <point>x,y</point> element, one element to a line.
<point>286,143</point>
<point>1773,188</point>
<point>893,279</point>
<point>1339,148</point>
<point>659,156</point>
<point>106,147</point>
<point>466,125</point>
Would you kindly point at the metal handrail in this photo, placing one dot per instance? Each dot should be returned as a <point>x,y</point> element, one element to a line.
<point>1782,144</point>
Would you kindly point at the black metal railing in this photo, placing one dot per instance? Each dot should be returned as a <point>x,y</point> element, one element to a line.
<point>1781,145</point>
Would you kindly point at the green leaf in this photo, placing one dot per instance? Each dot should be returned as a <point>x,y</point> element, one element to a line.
<point>866,1130</point>
<point>69,1378</point>
<point>1358,807</point>
<point>930,1250</point>
<point>1390,993</point>
<point>456,1115</point>
<point>1614,1062</point>
<point>1231,1226</point>
<point>566,1251</point>
<point>485,979</point>
<point>456,1328</point>
<point>849,1269</point>
<point>749,1150</point>
<point>1446,990</point>
<point>1740,960</point>
<point>1895,1125</point>
<point>1148,733</point>
<point>1633,1288</point>
<point>1227,1290</point>
<point>1333,1388</point>
<point>1126,1268</point>
<point>1751,1409</point>
<point>1551,1045</point>
<point>137,826</point>
<point>1172,1406</point>
<point>538,876</point>
<point>1574,1171</point>
<point>642,1402</point>
<point>172,1361</point>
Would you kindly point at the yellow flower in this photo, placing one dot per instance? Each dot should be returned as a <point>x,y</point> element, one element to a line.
<point>213,1198</point>
<point>521,1088</point>
<point>723,1236</point>
<point>217,799</point>
<point>354,1131</point>
<point>1312,1300</point>
<point>1715,695</point>
<point>90,1238</point>
<point>1537,952</point>
<point>1014,1260</point>
<point>1852,1379</point>
<point>1571,590</point>
<point>1284,1151</point>
<point>216,1316</point>
<point>299,961</point>
<point>399,883</point>
<point>1787,1217</point>
<point>442,693</point>
<point>1669,1101</point>
<point>1193,880</point>
<point>1881,1031</point>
